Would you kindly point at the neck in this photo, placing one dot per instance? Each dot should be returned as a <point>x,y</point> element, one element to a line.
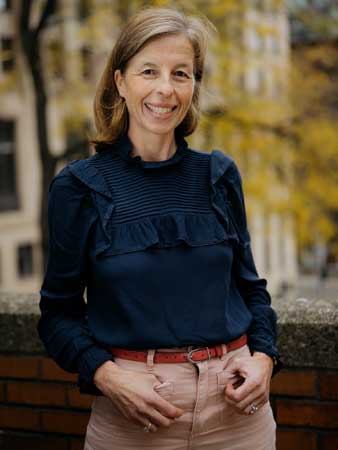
<point>153,147</point>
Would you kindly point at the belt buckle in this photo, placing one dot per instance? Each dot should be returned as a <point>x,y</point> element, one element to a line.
<point>192,350</point>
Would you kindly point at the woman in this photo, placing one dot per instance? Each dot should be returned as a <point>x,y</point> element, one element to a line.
<point>177,339</point>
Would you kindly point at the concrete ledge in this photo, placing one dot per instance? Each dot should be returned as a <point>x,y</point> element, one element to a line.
<point>308,330</point>
<point>19,315</point>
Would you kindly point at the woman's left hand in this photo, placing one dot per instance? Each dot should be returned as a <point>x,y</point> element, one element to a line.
<point>256,370</point>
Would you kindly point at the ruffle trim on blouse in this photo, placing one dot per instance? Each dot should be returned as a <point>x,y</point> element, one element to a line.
<point>167,230</point>
<point>227,196</point>
<point>102,198</point>
<point>226,223</point>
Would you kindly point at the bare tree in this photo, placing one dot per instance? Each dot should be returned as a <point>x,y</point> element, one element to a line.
<point>30,38</point>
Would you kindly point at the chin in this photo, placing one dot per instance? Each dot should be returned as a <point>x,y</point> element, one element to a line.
<point>161,130</point>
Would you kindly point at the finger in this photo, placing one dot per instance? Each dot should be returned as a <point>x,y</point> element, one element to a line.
<point>240,393</point>
<point>165,408</point>
<point>246,408</point>
<point>229,393</point>
<point>145,422</point>
<point>256,398</point>
<point>238,382</point>
<point>232,396</point>
<point>144,413</point>
<point>232,399</point>
<point>243,402</point>
<point>153,428</point>
<point>159,419</point>
<point>259,402</point>
<point>237,366</point>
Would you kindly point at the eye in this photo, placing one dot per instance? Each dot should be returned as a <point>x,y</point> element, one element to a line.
<point>181,74</point>
<point>148,72</point>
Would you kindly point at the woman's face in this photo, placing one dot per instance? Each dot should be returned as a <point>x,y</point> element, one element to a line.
<point>158,85</point>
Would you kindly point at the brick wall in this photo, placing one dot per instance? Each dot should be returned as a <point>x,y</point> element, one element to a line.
<point>305,404</point>
<point>41,408</point>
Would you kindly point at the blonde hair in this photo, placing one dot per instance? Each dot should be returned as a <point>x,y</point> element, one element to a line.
<point>110,111</point>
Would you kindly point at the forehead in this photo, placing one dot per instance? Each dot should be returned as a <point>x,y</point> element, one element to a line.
<point>169,49</point>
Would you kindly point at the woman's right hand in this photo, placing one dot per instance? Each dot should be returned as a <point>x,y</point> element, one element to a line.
<point>134,396</point>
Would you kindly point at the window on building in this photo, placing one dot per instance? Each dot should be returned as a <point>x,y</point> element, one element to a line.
<point>7,54</point>
<point>273,44</point>
<point>255,80</point>
<point>5,5</point>
<point>256,41</point>
<point>84,9</point>
<point>8,190</point>
<point>25,260</point>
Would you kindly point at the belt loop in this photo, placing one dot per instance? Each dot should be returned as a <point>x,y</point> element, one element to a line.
<point>224,348</point>
<point>150,359</point>
<point>219,350</point>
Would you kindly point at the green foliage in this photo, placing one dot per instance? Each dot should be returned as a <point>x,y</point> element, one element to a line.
<point>314,125</point>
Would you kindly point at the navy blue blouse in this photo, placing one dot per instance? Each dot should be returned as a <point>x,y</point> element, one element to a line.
<point>164,252</point>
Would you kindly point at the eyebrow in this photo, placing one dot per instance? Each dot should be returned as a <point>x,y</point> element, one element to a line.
<point>188,66</point>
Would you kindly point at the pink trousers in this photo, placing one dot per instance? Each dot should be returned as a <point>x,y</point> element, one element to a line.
<point>208,422</point>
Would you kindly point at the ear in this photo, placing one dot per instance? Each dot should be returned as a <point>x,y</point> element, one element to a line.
<point>119,81</point>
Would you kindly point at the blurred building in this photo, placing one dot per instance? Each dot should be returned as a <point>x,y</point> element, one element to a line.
<point>19,174</point>
<point>72,59</point>
<point>266,41</point>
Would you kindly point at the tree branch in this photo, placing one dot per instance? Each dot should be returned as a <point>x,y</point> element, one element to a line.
<point>25,12</point>
<point>282,131</point>
<point>48,10</point>
<point>79,148</point>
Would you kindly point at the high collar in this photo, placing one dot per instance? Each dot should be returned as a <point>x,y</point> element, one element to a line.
<point>124,147</point>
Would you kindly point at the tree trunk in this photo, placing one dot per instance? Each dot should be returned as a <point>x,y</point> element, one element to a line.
<point>30,44</point>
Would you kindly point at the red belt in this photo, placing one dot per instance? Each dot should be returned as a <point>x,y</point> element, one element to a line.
<point>195,354</point>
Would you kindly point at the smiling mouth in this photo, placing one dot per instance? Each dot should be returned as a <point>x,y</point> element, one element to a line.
<point>160,110</point>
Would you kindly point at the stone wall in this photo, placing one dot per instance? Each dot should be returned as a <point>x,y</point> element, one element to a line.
<point>40,406</point>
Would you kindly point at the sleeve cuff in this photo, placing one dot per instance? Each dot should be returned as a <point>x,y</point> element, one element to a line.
<point>90,360</point>
<point>278,365</point>
<point>273,353</point>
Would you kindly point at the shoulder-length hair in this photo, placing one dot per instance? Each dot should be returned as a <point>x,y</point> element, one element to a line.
<point>110,111</point>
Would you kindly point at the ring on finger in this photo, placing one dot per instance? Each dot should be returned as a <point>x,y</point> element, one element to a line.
<point>146,429</point>
<point>253,408</point>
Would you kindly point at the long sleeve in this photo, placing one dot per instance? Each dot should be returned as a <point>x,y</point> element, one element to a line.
<point>263,330</point>
<point>262,334</point>
<point>63,324</point>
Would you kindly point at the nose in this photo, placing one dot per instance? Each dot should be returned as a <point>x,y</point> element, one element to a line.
<point>165,86</point>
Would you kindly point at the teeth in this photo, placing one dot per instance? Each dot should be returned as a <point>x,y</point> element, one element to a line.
<point>159,110</point>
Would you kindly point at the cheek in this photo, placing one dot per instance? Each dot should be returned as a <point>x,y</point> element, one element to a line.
<point>134,102</point>
<point>187,97</point>
<point>136,92</point>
